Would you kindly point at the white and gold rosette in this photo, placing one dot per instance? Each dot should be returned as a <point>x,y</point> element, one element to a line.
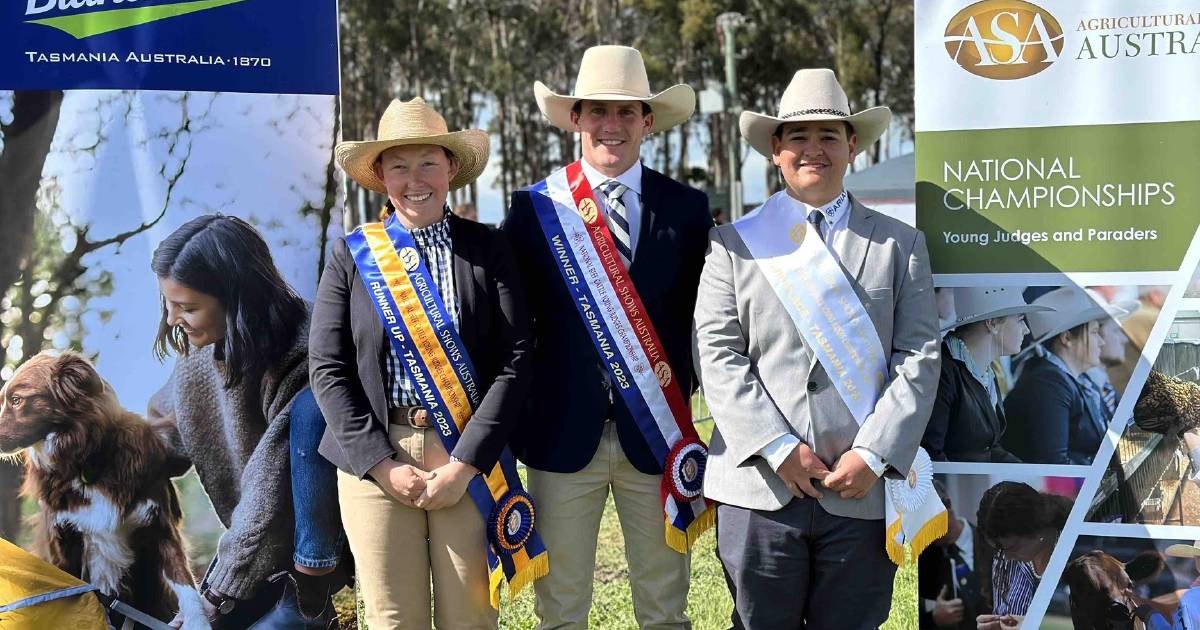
<point>915,513</point>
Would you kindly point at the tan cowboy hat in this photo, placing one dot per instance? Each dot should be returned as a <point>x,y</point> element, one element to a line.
<point>409,123</point>
<point>814,94</point>
<point>615,73</point>
<point>1072,306</point>
<point>976,304</point>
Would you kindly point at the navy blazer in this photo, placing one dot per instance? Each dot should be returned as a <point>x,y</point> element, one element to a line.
<point>964,425</point>
<point>568,402</point>
<point>1051,419</point>
<point>348,352</point>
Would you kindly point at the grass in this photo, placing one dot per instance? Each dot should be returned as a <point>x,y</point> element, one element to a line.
<point>709,604</point>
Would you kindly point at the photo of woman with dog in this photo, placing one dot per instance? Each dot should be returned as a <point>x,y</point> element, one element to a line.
<point>409,517</point>
<point>245,418</point>
<point>1128,583</point>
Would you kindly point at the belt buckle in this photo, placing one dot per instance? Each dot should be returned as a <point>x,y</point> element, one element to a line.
<point>410,416</point>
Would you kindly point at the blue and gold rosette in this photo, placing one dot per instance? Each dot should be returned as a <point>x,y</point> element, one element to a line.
<point>421,332</point>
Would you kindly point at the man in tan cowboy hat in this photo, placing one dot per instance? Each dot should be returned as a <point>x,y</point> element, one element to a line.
<point>409,518</point>
<point>587,429</point>
<point>817,347</point>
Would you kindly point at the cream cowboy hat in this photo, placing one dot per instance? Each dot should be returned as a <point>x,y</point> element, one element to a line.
<point>615,73</point>
<point>1180,550</point>
<point>814,94</point>
<point>409,123</point>
<point>1072,306</point>
<point>976,304</point>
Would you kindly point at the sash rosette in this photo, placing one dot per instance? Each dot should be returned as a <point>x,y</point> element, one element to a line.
<point>628,346</point>
<point>423,336</point>
<point>812,285</point>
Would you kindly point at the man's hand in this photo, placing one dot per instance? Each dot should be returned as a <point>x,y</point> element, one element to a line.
<point>851,477</point>
<point>446,485</point>
<point>799,469</point>
<point>402,482</point>
<point>947,613</point>
<point>998,622</point>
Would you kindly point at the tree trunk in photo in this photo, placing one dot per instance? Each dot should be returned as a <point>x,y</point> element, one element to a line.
<point>26,145</point>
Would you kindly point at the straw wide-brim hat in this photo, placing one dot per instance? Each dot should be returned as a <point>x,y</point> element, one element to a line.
<point>616,73</point>
<point>1072,306</point>
<point>408,123</point>
<point>814,94</point>
<point>977,304</point>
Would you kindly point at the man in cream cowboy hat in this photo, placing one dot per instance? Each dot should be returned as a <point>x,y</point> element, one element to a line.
<point>807,422</point>
<point>580,435</point>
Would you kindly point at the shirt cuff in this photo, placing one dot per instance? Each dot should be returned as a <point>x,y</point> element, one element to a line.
<point>873,461</point>
<point>777,450</point>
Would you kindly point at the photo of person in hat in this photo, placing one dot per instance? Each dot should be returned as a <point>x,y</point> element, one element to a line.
<point>968,419</point>
<point>404,502</point>
<point>1056,415</point>
<point>578,435</point>
<point>806,424</point>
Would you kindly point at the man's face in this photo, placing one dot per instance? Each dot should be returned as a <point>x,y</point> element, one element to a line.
<point>417,178</point>
<point>611,133</point>
<point>1113,352</point>
<point>813,157</point>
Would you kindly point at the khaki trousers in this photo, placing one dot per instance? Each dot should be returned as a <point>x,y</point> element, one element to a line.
<point>398,548</point>
<point>568,519</point>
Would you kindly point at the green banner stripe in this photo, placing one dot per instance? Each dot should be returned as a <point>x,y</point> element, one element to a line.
<point>99,22</point>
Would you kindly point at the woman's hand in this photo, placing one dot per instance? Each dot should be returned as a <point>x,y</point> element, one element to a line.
<point>403,482</point>
<point>446,485</point>
<point>999,622</point>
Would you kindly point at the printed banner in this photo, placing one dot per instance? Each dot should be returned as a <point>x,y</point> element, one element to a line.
<point>264,46</point>
<point>1057,144</point>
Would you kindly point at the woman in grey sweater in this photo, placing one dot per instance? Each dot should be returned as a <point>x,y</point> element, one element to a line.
<point>248,422</point>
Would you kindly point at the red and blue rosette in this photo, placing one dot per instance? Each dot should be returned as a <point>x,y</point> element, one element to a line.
<point>683,472</point>
<point>511,522</point>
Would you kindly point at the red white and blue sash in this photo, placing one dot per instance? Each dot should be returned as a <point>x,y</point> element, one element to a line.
<point>625,340</point>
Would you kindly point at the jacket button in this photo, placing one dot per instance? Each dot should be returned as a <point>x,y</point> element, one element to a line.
<point>812,386</point>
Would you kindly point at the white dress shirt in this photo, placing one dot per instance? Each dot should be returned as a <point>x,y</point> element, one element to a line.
<point>837,218</point>
<point>632,198</point>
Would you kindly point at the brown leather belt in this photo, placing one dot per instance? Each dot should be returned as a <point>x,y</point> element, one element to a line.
<point>415,417</point>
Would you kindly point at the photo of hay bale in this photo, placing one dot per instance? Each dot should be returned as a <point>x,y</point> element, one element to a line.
<point>1154,475</point>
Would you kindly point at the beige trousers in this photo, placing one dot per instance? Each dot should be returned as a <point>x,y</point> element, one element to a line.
<point>398,549</point>
<point>569,507</point>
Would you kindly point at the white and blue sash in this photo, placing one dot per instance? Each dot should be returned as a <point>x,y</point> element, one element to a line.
<point>813,287</point>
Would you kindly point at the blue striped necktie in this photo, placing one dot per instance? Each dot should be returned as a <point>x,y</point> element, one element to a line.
<point>618,219</point>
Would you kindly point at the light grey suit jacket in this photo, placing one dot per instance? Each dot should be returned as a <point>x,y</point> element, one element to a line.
<point>761,380</point>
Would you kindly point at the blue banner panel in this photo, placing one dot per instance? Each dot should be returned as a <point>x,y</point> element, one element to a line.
<point>267,46</point>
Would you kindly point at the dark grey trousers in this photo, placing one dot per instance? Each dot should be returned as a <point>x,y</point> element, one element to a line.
<point>802,568</point>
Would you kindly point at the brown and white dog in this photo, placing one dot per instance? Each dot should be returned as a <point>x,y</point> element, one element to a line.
<point>101,475</point>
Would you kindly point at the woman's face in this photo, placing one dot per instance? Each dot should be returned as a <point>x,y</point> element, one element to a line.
<point>1011,331</point>
<point>1089,350</point>
<point>1019,548</point>
<point>417,178</point>
<point>200,315</point>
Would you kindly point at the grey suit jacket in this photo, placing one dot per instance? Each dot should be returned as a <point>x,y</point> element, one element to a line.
<point>761,380</point>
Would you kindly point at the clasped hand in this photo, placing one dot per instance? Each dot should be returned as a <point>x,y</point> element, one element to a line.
<point>851,477</point>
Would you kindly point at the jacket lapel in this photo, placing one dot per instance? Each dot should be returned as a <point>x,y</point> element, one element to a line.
<point>464,279</point>
<point>852,248</point>
<point>645,229</point>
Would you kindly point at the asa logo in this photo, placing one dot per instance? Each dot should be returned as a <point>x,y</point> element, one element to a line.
<point>1003,39</point>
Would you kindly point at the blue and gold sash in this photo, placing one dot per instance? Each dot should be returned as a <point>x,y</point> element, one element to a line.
<point>424,338</point>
